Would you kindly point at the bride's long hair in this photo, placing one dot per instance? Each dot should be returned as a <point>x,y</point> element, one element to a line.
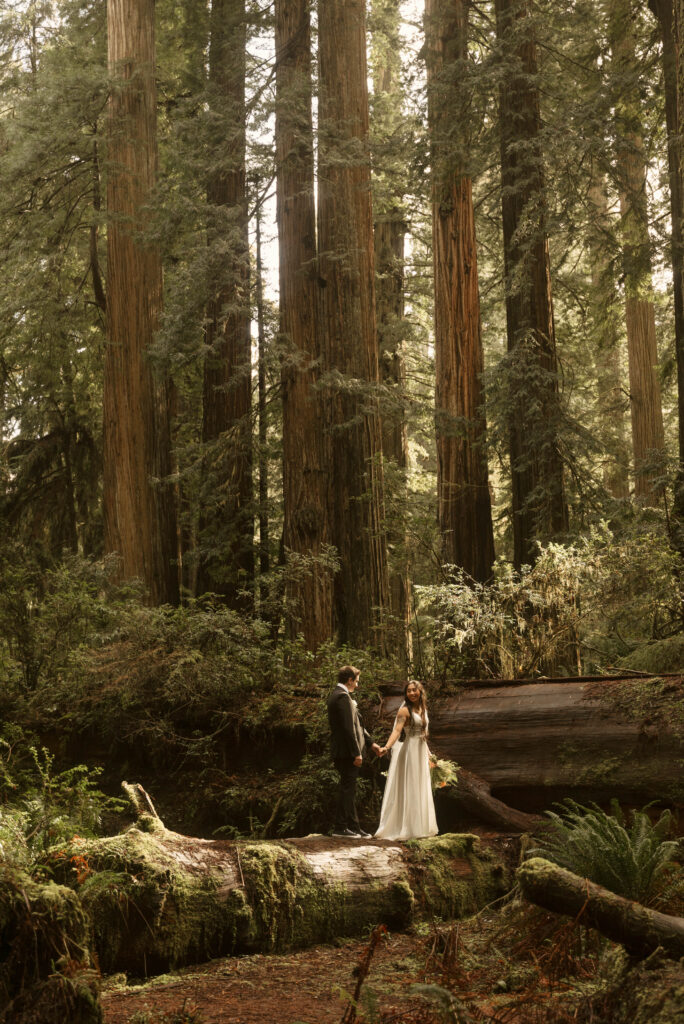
<point>421,706</point>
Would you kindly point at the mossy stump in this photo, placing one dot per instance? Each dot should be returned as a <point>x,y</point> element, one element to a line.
<point>45,976</point>
<point>157,900</point>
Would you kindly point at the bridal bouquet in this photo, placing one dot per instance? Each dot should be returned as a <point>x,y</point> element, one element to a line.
<point>442,773</point>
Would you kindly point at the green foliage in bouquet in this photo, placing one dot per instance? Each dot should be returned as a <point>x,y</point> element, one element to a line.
<point>443,773</point>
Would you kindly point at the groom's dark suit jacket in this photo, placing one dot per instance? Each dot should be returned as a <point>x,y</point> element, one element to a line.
<point>347,734</point>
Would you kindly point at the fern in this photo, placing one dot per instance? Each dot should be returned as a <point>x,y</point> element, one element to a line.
<point>630,855</point>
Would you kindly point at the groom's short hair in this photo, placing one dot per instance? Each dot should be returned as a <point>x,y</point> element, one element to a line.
<point>347,672</point>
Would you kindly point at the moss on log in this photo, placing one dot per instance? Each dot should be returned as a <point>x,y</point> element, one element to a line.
<point>639,929</point>
<point>157,899</point>
<point>44,973</point>
<point>650,992</point>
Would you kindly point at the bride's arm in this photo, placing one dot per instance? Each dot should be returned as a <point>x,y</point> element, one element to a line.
<point>399,723</point>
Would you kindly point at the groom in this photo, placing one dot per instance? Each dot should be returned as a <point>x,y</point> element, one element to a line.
<point>348,739</point>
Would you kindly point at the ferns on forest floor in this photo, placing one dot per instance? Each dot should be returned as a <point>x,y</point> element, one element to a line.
<point>626,853</point>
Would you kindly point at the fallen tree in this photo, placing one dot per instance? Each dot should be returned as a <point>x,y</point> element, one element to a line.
<point>156,899</point>
<point>639,929</point>
<point>536,741</point>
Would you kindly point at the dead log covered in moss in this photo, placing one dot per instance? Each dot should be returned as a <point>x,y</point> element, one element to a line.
<point>45,975</point>
<point>639,929</point>
<point>157,899</point>
<point>538,741</point>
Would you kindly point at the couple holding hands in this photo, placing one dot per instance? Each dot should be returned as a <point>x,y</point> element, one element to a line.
<point>408,810</point>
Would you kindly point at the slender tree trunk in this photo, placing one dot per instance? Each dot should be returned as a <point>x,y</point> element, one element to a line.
<point>306,530</point>
<point>227,521</point>
<point>644,387</point>
<point>611,398</point>
<point>264,553</point>
<point>538,495</point>
<point>465,515</point>
<point>670,17</point>
<point>389,234</point>
<point>138,503</point>
<point>346,280</point>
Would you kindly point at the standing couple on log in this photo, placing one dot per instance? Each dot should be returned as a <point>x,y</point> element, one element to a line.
<point>408,810</point>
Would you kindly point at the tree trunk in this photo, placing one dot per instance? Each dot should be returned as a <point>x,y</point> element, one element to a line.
<point>306,529</point>
<point>611,401</point>
<point>389,180</point>
<point>464,506</point>
<point>227,513</point>
<point>670,17</point>
<point>157,899</point>
<point>536,742</point>
<point>538,494</point>
<point>138,502</point>
<point>346,283</point>
<point>644,387</point>
<point>638,928</point>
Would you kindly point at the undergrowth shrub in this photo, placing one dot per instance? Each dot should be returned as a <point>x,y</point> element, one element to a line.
<point>627,853</point>
<point>579,609</point>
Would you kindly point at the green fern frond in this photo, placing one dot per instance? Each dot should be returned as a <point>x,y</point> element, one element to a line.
<point>626,853</point>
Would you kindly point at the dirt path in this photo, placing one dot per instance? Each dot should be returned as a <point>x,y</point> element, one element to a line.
<point>312,986</point>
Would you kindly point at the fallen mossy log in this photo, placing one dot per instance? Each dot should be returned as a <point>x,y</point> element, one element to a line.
<point>649,992</point>
<point>639,929</point>
<point>157,899</point>
<point>538,741</point>
<point>45,977</point>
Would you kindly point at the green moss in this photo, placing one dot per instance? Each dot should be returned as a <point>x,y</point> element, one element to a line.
<point>455,875</point>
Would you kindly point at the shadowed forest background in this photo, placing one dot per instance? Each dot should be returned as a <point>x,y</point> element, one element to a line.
<point>329,333</point>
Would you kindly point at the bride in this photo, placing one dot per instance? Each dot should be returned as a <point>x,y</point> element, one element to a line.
<point>408,810</point>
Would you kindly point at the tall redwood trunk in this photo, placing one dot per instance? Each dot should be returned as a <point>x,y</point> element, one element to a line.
<point>464,509</point>
<point>306,531</point>
<point>538,496</point>
<point>138,502</point>
<point>648,440</point>
<point>389,186</point>
<point>607,335</point>
<point>227,512</point>
<point>671,20</point>
<point>346,282</point>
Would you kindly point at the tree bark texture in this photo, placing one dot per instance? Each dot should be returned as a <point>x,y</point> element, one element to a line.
<point>464,505</point>
<point>610,395</point>
<point>539,506</point>
<point>670,15</point>
<point>227,522</point>
<point>389,184</point>
<point>648,441</point>
<point>306,529</point>
<point>138,502</point>
<point>156,899</point>
<point>536,742</point>
<point>638,928</point>
<point>347,291</point>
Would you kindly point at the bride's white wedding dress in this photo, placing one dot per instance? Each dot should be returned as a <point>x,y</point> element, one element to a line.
<point>408,810</point>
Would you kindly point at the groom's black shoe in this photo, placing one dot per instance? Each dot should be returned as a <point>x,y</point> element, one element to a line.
<point>346,833</point>
<point>364,835</point>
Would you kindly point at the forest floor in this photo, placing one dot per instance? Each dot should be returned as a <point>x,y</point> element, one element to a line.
<point>519,967</point>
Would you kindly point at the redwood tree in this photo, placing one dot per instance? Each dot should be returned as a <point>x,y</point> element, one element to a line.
<point>464,506</point>
<point>539,507</point>
<point>642,349</point>
<point>227,511</point>
<point>346,288</point>
<point>138,502</point>
<point>306,531</point>
<point>389,186</point>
